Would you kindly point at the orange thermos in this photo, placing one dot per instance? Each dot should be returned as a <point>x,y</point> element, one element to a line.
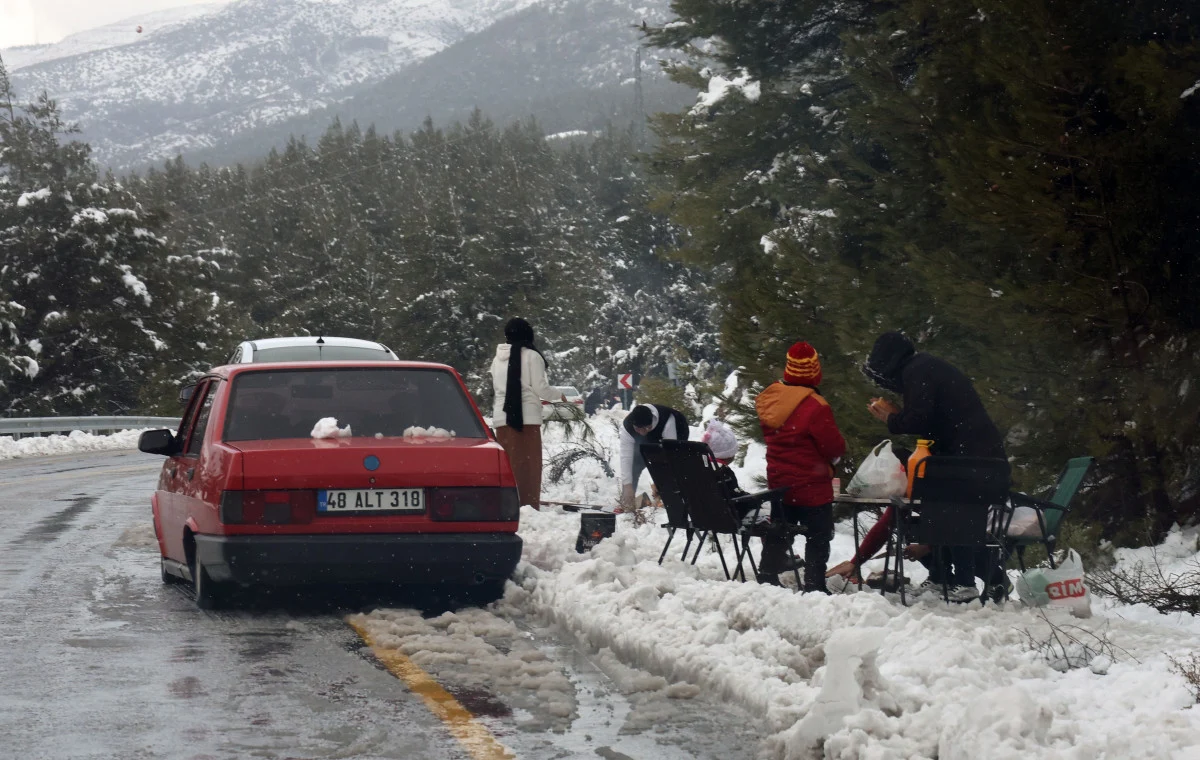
<point>918,454</point>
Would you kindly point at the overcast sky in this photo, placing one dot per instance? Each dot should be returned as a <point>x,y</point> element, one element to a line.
<point>24,22</point>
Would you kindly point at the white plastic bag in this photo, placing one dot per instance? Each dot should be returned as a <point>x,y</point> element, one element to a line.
<point>1024,523</point>
<point>880,476</point>
<point>1062,586</point>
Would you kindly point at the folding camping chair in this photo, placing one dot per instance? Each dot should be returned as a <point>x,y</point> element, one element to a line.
<point>690,471</point>
<point>1049,513</point>
<point>952,507</point>
<point>658,463</point>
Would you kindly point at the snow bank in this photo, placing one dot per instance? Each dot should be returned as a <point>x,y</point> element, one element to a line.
<point>857,675</point>
<point>77,441</point>
<point>854,675</point>
<point>1178,554</point>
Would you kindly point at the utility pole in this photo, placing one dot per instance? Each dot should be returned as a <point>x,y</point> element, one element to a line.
<point>639,102</point>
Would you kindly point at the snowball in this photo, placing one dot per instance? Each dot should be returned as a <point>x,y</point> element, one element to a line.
<point>327,427</point>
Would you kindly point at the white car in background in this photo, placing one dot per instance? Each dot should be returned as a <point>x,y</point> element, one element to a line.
<point>311,348</point>
<point>572,409</point>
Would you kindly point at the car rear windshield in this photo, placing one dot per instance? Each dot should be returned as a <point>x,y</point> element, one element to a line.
<point>314,353</point>
<point>265,405</point>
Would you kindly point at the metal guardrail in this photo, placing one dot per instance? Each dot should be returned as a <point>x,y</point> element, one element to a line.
<point>39,425</point>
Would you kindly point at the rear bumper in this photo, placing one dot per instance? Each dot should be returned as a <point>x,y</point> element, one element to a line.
<point>419,559</point>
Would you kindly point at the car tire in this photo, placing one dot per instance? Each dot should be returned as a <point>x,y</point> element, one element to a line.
<point>168,578</point>
<point>209,594</point>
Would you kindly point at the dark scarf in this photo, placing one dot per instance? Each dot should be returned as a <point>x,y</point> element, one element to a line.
<point>519,334</point>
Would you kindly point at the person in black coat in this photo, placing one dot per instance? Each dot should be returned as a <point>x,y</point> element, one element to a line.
<point>940,404</point>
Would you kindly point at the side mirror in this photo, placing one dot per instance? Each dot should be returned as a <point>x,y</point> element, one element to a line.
<point>185,393</point>
<point>158,442</point>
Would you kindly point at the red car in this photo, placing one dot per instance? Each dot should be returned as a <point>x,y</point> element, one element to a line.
<point>416,491</point>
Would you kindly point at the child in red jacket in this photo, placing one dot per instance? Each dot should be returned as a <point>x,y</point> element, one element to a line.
<point>803,443</point>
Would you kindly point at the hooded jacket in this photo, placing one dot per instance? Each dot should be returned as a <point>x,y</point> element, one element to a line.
<point>534,386</point>
<point>802,440</point>
<point>940,402</point>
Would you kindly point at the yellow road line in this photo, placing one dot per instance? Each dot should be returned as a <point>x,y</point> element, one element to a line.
<point>473,735</point>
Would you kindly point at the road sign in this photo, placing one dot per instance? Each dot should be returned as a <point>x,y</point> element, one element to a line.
<point>626,381</point>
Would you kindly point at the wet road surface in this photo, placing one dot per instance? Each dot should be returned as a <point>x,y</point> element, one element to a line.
<point>98,659</point>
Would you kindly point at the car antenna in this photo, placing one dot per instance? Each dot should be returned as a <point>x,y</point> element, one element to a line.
<point>320,341</point>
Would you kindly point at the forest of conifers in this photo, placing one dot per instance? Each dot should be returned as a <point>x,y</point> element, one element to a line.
<point>1014,183</point>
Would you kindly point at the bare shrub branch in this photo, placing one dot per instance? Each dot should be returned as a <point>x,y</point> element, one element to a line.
<point>1188,667</point>
<point>1151,585</point>
<point>1066,647</point>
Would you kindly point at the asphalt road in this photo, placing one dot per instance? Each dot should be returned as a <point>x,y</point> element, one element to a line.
<point>98,659</point>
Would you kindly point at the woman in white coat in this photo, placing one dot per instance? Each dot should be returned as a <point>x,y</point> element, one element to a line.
<point>519,381</point>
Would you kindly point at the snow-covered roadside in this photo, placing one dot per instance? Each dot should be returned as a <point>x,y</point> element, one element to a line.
<point>854,675</point>
<point>1178,554</point>
<point>75,442</point>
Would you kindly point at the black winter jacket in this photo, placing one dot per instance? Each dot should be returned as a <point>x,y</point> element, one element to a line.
<point>939,401</point>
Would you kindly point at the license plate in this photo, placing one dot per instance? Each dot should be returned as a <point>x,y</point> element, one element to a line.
<point>373,500</point>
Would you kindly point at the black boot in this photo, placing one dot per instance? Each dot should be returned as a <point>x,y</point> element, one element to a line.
<point>774,558</point>
<point>816,556</point>
<point>769,579</point>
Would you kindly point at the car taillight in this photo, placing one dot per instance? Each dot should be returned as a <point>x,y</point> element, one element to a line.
<point>267,507</point>
<point>474,504</point>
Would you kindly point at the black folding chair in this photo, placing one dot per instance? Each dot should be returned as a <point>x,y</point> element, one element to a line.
<point>657,462</point>
<point>952,506</point>
<point>691,471</point>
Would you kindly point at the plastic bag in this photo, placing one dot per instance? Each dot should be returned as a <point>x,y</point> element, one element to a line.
<point>1062,586</point>
<point>880,476</point>
<point>1024,523</point>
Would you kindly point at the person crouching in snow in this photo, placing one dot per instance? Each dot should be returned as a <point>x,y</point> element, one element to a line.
<point>803,443</point>
<point>645,423</point>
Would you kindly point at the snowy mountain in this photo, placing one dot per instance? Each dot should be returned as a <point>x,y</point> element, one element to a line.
<point>123,32</point>
<point>203,79</point>
<point>571,64</point>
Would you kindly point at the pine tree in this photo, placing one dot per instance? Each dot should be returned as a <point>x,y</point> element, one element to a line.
<point>1010,182</point>
<point>100,312</point>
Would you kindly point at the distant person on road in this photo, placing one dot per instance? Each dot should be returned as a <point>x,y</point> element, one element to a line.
<point>803,444</point>
<point>594,401</point>
<point>645,423</point>
<point>520,385</point>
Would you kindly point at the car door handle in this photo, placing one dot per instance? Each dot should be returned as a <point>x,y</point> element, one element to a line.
<point>191,471</point>
<point>171,471</point>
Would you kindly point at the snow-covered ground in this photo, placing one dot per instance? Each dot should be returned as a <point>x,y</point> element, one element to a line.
<point>853,675</point>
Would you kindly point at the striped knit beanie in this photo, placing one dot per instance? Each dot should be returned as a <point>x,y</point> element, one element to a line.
<point>803,365</point>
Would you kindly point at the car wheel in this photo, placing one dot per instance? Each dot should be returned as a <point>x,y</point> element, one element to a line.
<point>168,579</point>
<point>209,594</point>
